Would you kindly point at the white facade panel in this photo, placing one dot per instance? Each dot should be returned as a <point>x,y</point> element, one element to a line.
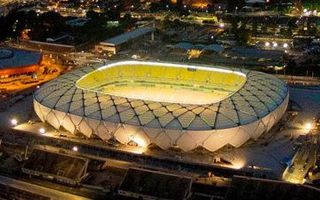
<point>234,121</point>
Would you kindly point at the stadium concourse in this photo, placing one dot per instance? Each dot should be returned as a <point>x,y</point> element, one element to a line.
<point>166,104</point>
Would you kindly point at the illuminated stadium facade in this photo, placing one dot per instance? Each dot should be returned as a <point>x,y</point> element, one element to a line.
<point>169,105</point>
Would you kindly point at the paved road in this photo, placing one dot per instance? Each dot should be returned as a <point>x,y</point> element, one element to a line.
<point>53,194</point>
<point>303,160</point>
<point>99,151</point>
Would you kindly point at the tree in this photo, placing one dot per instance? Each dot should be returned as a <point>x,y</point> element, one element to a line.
<point>233,4</point>
<point>240,31</point>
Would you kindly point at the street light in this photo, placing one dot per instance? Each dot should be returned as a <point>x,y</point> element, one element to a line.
<point>267,44</point>
<point>75,148</point>
<point>308,126</point>
<point>285,45</point>
<point>14,122</point>
<point>42,130</point>
<point>275,44</point>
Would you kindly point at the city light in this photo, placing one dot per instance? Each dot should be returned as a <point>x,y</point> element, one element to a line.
<point>267,44</point>
<point>14,122</point>
<point>238,163</point>
<point>138,140</point>
<point>315,12</point>
<point>75,148</point>
<point>308,126</point>
<point>42,130</point>
<point>201,86</point>
<point>274,44</point>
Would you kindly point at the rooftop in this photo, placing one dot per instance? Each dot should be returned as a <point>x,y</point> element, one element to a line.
<point>10,58</point>
<point>156,184</point>
<point>56,164</point>
<point>254,188</point>
<point>125,37</point>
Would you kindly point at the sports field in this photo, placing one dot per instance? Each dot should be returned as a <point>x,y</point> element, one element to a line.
<point>171,84</point>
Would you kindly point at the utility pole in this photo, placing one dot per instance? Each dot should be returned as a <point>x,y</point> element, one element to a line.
<point>154,28</point>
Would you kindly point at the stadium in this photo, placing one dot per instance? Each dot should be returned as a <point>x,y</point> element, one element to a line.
<point>165,104</point>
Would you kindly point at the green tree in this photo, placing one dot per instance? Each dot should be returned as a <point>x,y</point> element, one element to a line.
<point>239,29</point>
<point>233,4</point>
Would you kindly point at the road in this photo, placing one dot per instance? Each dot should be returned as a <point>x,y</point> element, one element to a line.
<point>51,193</point>
<point>102,151</point>
<point>303,161</point>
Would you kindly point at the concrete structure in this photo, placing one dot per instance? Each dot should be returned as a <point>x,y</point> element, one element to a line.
<point>169,105</point>
<point>67,169</point>
<point>117,43</point>
<point>18,62</point>
<point>152,185</point>
<point>244,188</point>
<point>50,46</point>
<point>16,189</point>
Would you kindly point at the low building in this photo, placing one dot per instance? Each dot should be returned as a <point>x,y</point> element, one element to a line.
<point>14,62</point>
<point>121,41</point>
<point>249,188</point>
<point>78,22</point>
<point>155,185</point>
<point>67,169</point>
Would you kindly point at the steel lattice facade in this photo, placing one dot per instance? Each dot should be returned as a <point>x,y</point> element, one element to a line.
<point>246,114</point>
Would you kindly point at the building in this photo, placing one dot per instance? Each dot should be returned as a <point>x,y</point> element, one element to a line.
<point>64,168</point>
<point>169,105</point>
<point>14,62</point>
<point>152,185</point>
<point>245,188</point>
<point>121,41</point>
<point>193,3</point>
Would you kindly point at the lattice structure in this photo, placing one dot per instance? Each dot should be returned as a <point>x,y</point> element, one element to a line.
<point>247,113</point>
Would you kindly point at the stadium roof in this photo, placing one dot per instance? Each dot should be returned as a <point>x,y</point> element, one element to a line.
<point>10,58</point>
<point>125,37</point>
<point>260,95</point>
